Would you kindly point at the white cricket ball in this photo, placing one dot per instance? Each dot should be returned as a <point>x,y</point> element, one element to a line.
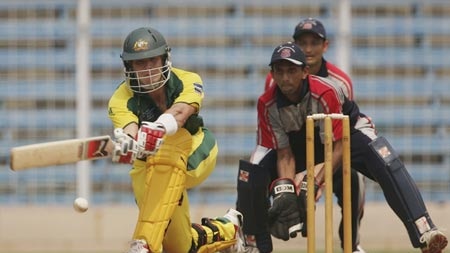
<point>80,205</point>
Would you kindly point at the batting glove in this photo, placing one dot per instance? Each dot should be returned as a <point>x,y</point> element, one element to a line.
<point>284,217</point>
<point>150,138</point>
<point>125,147</point>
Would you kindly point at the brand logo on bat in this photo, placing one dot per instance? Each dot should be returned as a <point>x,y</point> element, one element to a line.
<point>97,148</point>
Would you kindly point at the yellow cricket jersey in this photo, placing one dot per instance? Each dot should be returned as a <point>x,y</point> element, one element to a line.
<point>126,107</point>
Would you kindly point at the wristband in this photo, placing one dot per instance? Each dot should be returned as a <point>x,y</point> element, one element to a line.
<point>169,123</point>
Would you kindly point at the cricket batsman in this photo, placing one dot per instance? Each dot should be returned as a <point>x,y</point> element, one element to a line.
<point>158,129</point>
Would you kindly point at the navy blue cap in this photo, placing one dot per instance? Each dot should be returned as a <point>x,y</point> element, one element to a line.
<point>290,52</point>
<point>310,25</point>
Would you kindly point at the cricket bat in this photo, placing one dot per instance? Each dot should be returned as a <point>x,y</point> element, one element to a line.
<point>59,152</point>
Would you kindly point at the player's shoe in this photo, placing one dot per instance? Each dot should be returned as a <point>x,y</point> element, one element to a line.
<point>434,241</point>
<point>138,246</point>
<point>250,241</point>
<point>237,219</point>
<point>359,250</point>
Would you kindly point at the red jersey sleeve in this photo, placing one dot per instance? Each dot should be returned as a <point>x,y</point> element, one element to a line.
<point>269,81</point>
<point>331,99</point>
<point>334,106</point>
<point>265,132</point>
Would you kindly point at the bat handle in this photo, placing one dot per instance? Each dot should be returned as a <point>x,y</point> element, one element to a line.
<point>118,133</point>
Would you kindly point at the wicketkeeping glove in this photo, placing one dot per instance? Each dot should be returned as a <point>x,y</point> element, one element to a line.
<point>150,138</point>
<point>302,201</point>
<point>284,217</point>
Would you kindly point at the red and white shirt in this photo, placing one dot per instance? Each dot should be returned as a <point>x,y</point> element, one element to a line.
<point>329,71</point>
<point>277,116</point>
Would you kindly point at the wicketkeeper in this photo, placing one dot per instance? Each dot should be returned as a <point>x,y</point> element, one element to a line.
<point>310,35</point>
<point>282,112</point>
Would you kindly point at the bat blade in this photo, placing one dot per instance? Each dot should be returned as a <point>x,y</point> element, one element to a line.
<point>59,152</point>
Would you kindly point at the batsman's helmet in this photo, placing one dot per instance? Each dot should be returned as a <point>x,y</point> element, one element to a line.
<point>142,43</point>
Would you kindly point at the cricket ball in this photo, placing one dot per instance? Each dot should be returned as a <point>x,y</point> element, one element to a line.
<point>80,205</point>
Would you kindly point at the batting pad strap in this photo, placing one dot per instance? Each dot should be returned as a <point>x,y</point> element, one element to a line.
<point>169,123</point>
<point>215,230</point>
<point>221,235</point>
<point>202,236</point>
